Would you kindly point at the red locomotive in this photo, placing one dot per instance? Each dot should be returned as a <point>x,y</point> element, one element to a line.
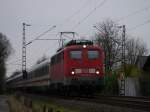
<point>78,64</point>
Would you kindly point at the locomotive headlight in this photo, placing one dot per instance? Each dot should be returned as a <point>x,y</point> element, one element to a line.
<point>84,46</point>
<point>97,72</point>
<point>72,72</point>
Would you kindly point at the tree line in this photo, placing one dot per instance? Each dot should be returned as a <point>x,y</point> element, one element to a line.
<point>109,36</point>
<point>5,51</point>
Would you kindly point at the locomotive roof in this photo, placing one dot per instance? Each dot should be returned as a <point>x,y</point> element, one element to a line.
<point>71,45</point>
<point>79,42</point>
<point>76,42</point>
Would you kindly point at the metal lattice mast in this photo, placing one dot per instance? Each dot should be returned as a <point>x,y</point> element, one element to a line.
<point>24,50</point>
<point>122,86</point>
<point>123,47</point>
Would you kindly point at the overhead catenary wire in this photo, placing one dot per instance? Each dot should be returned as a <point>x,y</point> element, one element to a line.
<point>134,13</point>
<point>68,36</point>
<point>66,20</point>
<point>50,39</point>
<point>14,62</point>
<point>90,13</point>
<point>139,25</point>
<point>42,34</point>
<point>75,13</point>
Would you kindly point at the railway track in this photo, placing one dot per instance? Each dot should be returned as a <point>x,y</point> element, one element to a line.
<point>138,103</point>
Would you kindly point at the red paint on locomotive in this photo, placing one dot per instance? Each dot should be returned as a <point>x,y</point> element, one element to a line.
<point>81,66</point>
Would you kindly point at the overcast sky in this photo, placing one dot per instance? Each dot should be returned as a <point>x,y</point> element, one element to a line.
<point>67,15</point>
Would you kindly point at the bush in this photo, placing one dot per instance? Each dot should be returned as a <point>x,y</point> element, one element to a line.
<point>145,84</point>
<point>111,84</point>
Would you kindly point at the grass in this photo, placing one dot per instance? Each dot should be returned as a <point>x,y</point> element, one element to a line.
<point>17,104</point>
<point>40,105</point>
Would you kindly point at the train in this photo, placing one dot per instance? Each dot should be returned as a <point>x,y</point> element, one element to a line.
<point>77,65</point>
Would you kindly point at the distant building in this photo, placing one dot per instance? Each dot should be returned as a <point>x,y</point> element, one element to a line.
<point>146,66</point>
<point>143,63</point>
<point>136,87</point>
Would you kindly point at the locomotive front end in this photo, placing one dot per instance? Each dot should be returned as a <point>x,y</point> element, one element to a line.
<point>84,65</point>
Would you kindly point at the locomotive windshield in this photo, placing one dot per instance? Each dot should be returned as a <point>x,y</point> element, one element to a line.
<point>93,54</point>
<point>76,54</point>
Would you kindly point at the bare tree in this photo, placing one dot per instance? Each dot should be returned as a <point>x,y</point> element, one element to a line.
<point>109,38</point>
<point>5,47</point>
<point>135,47</point>
<point>5,50</point>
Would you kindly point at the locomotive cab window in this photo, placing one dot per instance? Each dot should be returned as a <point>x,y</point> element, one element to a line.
<point>93,54</point>
<point>76,54</point>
